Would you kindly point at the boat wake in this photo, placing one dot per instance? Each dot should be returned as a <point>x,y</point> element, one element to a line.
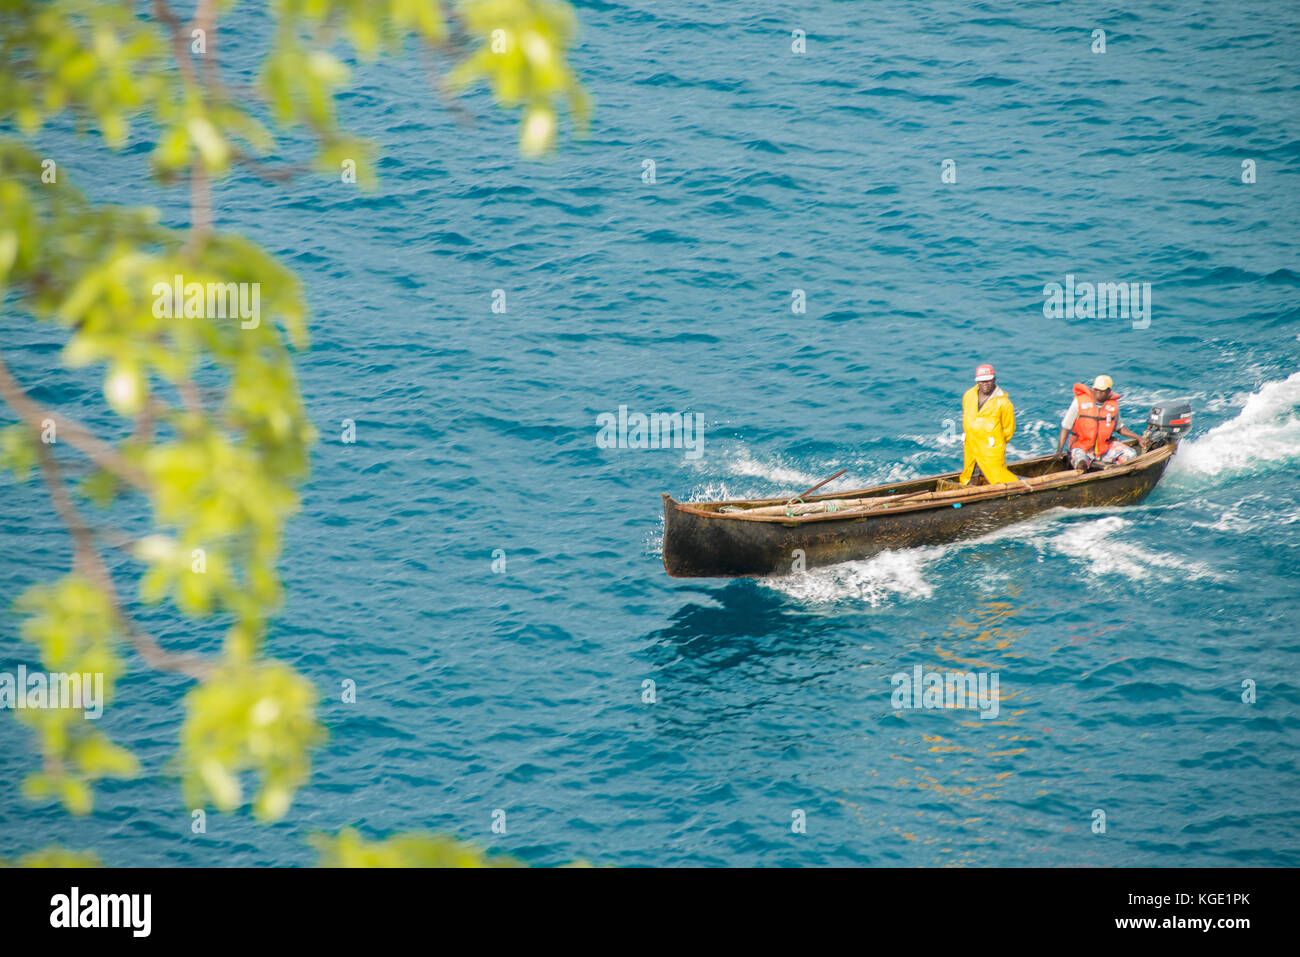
<point>1100,542</point>
<point>1101,545</point>
<point>1265,432</point>
<point>778,475</point>
<point>874,581</point>
<point>752,477</point>
<point>1103,551</point>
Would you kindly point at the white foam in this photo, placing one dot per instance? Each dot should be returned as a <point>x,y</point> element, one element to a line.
<point>776,474</point>
<point>1104,551</point>
<point>1265,431</point>
<point>654,541</point>
<point>896,473</point>
<point>712,492</point>
<point>944,440</point>
<point>1241,517</point>
<point>1103,545</point>
<point>776,478</point>
<point>873,580</point>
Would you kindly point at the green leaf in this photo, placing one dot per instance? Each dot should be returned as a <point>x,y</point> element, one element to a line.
<point>17,451</point>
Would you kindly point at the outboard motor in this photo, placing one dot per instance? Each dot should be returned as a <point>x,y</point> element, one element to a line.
<point>1168,423</point>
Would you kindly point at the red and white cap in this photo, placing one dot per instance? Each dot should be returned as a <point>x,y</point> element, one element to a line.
<point>984,373</point>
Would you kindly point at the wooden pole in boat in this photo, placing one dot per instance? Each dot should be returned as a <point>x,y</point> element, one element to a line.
<point>822,482</point>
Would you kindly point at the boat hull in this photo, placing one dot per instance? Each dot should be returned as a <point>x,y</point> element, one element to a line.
<point>700,543</point>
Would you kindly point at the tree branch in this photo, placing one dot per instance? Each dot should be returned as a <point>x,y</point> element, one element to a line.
<point>77,435</point>
<point>200,182</point>
<point>88,562</point>
<point>176,29</point>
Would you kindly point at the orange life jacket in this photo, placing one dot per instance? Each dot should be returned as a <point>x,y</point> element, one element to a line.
<point>1093,427</point>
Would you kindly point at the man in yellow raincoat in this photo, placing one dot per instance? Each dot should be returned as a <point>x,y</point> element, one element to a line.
<point>989,420</point>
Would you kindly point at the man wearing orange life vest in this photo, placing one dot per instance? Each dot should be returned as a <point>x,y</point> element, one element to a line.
<point>1093,417</point>
<point>989,420</point>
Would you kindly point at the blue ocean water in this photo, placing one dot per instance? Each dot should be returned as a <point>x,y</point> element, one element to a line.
<point>1121,636</point>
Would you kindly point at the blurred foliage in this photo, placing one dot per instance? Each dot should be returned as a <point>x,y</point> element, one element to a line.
<point>349,849</point>
<point>111,67</point>
<point>16,451</point>
<point>258,716</point>
<point>219,466</point>
<point>524,62</point>
<point>54,856</point>
<point>73,629</point>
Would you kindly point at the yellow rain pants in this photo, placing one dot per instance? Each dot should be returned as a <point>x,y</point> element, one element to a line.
<point>988,430</point>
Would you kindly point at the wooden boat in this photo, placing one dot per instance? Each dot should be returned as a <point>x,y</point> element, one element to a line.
<point>758,537</point>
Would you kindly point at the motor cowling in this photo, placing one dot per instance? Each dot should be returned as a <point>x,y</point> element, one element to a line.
<point>1168,423</point>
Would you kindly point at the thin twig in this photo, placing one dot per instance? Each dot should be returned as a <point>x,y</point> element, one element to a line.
<point>176,29</point>
<point>205,20</point>
<point>264,170</point>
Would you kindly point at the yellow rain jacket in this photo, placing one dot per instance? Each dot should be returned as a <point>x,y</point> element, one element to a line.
<point>988,430</point>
